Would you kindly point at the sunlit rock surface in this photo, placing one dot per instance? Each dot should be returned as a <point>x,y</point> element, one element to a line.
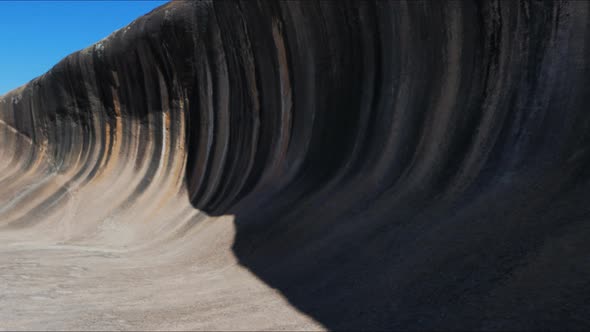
<point>305,165</point>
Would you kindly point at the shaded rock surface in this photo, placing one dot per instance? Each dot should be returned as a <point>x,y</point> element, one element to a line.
<point>381,165</point>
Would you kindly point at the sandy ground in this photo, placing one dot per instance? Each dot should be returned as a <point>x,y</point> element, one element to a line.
<point>45,286</point>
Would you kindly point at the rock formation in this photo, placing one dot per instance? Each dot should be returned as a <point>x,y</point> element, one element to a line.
<point>381,165</point>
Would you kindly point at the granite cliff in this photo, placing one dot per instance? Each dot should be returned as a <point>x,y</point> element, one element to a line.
<point>380,165</point>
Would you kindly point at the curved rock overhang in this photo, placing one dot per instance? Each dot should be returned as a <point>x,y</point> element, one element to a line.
<point>388,164</point>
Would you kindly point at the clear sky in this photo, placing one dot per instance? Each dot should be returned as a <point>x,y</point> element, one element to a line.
<point>34,36</point>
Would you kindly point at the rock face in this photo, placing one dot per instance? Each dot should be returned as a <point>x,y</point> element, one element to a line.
<point>388,165</point>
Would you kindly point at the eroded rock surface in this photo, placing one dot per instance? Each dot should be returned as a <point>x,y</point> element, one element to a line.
<point>305,165</point>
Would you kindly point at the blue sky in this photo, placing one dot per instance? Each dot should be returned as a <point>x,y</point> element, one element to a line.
<point>35,35</point>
